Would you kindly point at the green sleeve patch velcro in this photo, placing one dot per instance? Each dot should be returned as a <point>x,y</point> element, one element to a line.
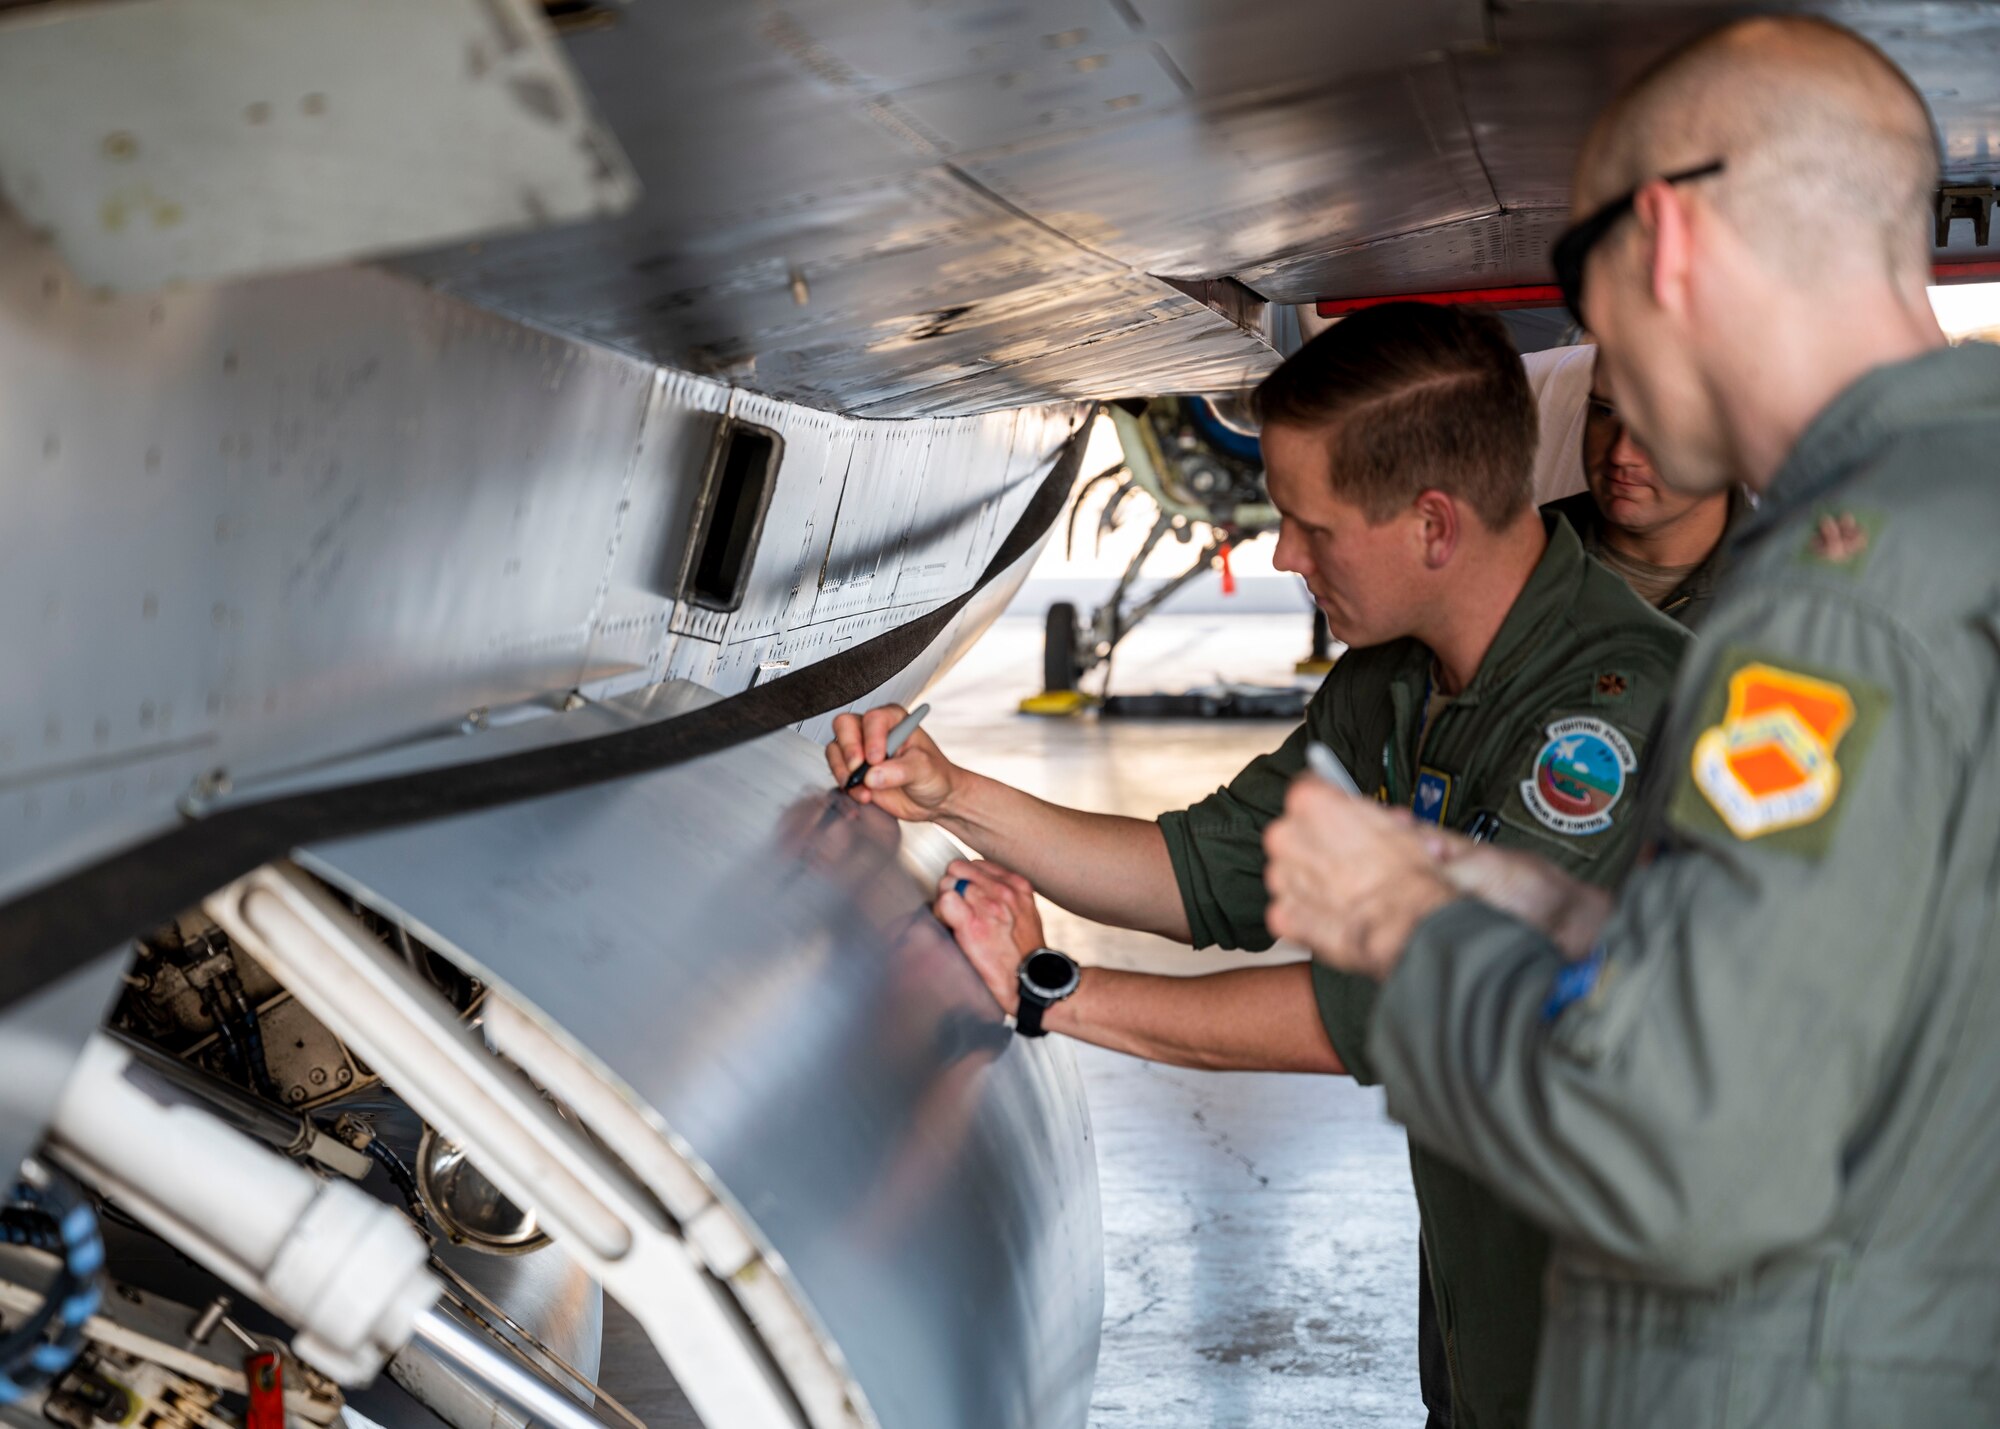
<point>1777,740</point>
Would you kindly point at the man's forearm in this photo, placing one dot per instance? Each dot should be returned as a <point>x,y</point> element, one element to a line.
<point>1569,911</point>
<point>1104,867</point>
<point>1248,1020</point>
<point>1583,916</point>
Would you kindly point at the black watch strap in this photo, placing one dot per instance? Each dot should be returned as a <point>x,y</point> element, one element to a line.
<point>1058,975</point>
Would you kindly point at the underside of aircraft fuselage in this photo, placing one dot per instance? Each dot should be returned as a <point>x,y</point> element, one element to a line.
<point>891,209</point>
<point>458,459</point>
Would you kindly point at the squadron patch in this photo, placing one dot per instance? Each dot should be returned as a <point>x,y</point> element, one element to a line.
<point>1769,764</point>
<point>1779,741</point>
<point>1579,776</point>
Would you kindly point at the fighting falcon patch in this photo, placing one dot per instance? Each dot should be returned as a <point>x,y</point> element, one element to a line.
<point>1770,764</point>
<point>1580,774</point>
<point>1433,794</point>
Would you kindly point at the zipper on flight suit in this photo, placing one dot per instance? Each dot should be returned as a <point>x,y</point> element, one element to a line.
<point>1409,732</point>
<point>1447,1318</point>
<point>1406,729</point>
<point>1399,731</point>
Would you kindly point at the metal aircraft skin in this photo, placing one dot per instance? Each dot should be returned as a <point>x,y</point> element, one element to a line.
<point>457,456</point>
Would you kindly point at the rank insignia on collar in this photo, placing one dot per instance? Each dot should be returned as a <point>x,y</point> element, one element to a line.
<point>1841,539</point>
<point>1769,765</point>
<point>1611,687</point>
<point>1580,774</point>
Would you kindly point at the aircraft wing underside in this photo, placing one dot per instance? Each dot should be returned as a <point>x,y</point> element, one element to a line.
<point>892,209</point>
<point>434,390</point>
<point>899,208</point>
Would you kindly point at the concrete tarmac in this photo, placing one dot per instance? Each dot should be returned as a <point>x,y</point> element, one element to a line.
<point>1259,1229</point>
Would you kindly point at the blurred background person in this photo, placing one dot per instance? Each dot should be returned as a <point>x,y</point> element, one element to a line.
<point>1666,544</point>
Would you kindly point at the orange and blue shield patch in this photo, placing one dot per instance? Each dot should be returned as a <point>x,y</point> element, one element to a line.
<point>1770,763</point>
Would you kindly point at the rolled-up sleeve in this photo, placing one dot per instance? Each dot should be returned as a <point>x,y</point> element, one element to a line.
<point>1217,848</point>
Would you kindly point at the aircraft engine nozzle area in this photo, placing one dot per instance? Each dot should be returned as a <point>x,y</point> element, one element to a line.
<point>730,974</point>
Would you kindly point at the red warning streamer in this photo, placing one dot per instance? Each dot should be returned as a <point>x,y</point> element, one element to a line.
<point>267,1392</point>
<point>1548,295</point>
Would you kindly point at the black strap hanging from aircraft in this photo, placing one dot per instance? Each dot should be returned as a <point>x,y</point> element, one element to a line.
<point>52,929</point>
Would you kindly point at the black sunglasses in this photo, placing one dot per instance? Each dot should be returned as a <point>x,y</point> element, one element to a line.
<point>1572,249</point>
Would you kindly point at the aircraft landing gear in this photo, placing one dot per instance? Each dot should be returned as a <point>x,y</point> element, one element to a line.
<point>1205,476</point>
<point>1071,649</point>
<point>1321,659</point>
<point>1062,666</point>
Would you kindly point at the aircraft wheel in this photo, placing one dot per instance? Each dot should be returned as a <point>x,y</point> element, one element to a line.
<point>1059,663</point>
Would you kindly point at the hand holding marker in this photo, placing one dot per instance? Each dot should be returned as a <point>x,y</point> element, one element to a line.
<point>1323,762</point>
<point>1326,764</point>
<point>898,737</point>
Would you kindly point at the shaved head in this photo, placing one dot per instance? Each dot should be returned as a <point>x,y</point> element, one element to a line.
<point>1831,155</point>
<point>1782,173</point>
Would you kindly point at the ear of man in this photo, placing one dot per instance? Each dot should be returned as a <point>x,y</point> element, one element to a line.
<point>1665,227</point>
<point>1441,525</point>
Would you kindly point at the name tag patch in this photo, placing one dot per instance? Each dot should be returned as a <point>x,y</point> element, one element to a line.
<point>1580,775</point>
<point>1432,795</point>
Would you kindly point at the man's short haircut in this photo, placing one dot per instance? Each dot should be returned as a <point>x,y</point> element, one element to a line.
<point>1830,150</point>
<point>1413,397</point>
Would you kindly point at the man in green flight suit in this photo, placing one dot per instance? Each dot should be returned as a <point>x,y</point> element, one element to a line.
<point>1757,1100</point>
<point>1499,683</point>
<point>1664,543</point>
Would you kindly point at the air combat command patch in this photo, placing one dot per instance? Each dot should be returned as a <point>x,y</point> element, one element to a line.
<point>1769,756</point>
<point>1579,776</point>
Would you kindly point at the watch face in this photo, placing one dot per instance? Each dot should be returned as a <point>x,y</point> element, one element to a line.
<point>1050,974</point>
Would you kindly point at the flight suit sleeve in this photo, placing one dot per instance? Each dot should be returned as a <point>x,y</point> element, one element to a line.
<point>1683,1098</point>
<point>1347,1001</point>
<point>1217,848</point>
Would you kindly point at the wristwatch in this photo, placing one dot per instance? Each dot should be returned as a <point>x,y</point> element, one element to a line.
<point>1046,978</point>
